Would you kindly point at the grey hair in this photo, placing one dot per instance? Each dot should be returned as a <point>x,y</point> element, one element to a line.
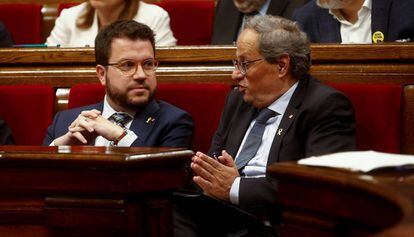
<point>279,36</point>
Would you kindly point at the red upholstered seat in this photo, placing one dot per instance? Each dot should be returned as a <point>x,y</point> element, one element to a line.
<point>191,20</point>
<point>28,110</point>
<point>203,101</point>
<point>378,115</point>
<point>23,21</point>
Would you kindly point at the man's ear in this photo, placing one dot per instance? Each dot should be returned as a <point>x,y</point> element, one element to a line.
<point>283,65</point>
<point>101,73</point>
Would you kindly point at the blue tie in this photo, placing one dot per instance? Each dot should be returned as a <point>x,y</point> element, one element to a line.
<point>120,119</point>
<point>254,139</point>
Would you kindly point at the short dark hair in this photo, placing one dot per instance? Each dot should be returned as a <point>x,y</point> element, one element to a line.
<point>120,29</point>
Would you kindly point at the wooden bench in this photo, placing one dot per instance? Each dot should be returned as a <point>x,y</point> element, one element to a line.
<point>389,64</point>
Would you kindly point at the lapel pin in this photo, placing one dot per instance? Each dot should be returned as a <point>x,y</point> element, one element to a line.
<point>150,120</point>
<point>291,116</point>
<point>279,132</point>
<point>378,37</point>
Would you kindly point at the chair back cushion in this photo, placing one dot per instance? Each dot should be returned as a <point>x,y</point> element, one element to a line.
<point>24,22</point>
<point>378,115</point>
<point>28,110</point>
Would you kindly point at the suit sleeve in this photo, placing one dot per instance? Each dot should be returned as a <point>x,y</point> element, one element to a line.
<point>329,127</point>
<point>51,131</point>
<point>179,132</point>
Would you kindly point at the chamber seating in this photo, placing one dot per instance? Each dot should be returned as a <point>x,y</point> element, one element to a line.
<point>377,109</point>
<point>378,115</point>
<point>191,20</point>
<point>203,101</point>
<point>24,21</point>
<point>28,110</point>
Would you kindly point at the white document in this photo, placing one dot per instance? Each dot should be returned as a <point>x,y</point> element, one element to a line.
<point>364,161</point>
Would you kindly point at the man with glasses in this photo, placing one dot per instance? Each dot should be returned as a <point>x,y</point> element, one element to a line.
<point>278,112</point>
<point>129,115</point>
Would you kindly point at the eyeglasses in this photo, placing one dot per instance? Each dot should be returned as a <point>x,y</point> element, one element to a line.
<point>130,67</point>
<point>244,66</point>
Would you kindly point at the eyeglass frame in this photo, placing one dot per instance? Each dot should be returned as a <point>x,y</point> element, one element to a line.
<point>148,73</point>
<point>244,66</point>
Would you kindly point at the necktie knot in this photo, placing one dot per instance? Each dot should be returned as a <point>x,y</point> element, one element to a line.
<point>121,119</point>
<point>264,115</point>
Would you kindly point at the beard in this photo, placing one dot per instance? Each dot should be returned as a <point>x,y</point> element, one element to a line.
<point>248,6</point>
<point>127,101</point>
<point>333,4</point>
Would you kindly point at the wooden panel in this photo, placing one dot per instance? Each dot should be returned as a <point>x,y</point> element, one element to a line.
<point>89,191</point>
<point>334,202</point>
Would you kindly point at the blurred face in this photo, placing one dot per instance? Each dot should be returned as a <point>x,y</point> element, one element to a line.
<point>102,4</point>
<point>247,6</point>
<point>126,88</point>
<point>258,82</point>
<point>333,4</point>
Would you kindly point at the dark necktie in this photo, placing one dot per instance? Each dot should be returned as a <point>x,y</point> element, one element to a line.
<point>254,139</point>
<point>120,119</point>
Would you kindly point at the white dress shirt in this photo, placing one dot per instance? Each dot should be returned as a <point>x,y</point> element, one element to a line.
<point>67,34</point>
<point>360,31</point>
<point>256,167</point>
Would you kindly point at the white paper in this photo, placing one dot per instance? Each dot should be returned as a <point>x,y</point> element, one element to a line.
<point>364,161</point>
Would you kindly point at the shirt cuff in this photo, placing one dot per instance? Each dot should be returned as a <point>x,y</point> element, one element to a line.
<point>129,138</point>
<point>234,191</point>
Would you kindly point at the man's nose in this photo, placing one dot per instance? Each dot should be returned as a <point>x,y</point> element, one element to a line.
<point>237,75</point>
<point>139,73</point>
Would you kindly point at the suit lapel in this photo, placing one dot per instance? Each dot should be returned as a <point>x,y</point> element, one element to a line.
<point>379,16</point>
<point>287,120</point>
<point>239,128</point>
<point>144,121</point>
<point>329,27</point>
<point>277,7</point>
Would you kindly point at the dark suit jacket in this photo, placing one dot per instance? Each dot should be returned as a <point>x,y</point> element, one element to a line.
<point>227,18</point>
<point>392,17</point>
<point>318,120</point>
<point>172,127</point>
<point>5,37</point>
<point>6,137</point>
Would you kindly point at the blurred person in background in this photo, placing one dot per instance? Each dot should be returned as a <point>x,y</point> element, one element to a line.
<point>357,21</point>
<point>231,15</point>
<point>5,37</point>
<point>78,26</point>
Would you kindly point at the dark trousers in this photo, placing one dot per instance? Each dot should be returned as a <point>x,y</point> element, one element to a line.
<point>202,216</point>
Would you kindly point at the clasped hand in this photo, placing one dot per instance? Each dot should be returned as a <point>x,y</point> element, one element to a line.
<point>87,126</point>
<point>215,177</point>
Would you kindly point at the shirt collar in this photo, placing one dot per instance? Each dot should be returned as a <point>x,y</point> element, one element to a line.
<point>367,5</point>
<point>282,102</point>
<point>108,111</point>
<point>263,10</point>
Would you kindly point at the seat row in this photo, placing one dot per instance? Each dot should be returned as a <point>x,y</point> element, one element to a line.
<point>28,109</point>
<point>25,21</point>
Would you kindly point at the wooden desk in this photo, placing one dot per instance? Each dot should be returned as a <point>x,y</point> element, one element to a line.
<point>333,202</point>
<point>88,191</point>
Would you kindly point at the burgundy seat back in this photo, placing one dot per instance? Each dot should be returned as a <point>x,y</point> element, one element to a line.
<point>203,101</point>
<point>28,110</point>
<point>23,21</point>
<point>378,115</point>
<point>191,20</point>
